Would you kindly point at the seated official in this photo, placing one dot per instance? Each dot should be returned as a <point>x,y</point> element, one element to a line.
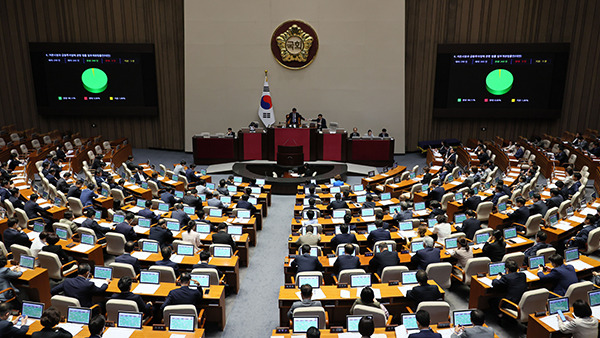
<point>49,320</point>
<point>306,294</point>
<point>191,198</point>
<point>147,213</point>
<point>347,260</point>
<point>354,133</point>
<point>343,237</point>
<point>160,233</point>
<point>540,243</point>
<point>14,235</point>
<point>520,215</point>
<point>367,298</point>
<point>369,202</point>
<point>477,330</point>
<point>384,133</point>
<point>189,235</point>
<point>15,200</point>
<point>80,287</point>
<point>424,291</point>
<point>202,189</point>
<point>7,276</point>
<point>222,188</point>
<point>55,248</point>
<point>463,253</point>
<point>310,214</point>
<point>337,203</point>
<point>404,214</point>
<point>470,225</point>
<point>555,200</point>
<point>471,200</point>
<point>442,229</point>
<point>436,191</point>
<point>309,237</point>
<point>379,234</point>
<point>168,197</point>
<point>33,210</point>
<point>96,326</point>
<point>126,227</point>
<point>68,220</point>
<point>126,294</point>
<point>213,201</point>
<point>436,209</point>
<point>190,175</point>
<point>127,258</point>
<point>154,178</point>
<point>498,192</point>
<point>582,324</point>
<point>244,204</point>
<point>305,262</point>
<point>513,283</point>
<point>495,247</point>
<point>222,237</point>
<point>366,326</point>
<point>561,275</point>
<point>38,243</point>
<point>88,195</point>
<point>7,328</point>
<point>185,294</point>
<point>581,238</point>
<point>427,255</point>
<point>166,253</point>
<point>180,215</point>
<point>204,259</point>
<point>383,259</point>
<point>91,223</point>
<point>423,321</point>
<point>180,168</point>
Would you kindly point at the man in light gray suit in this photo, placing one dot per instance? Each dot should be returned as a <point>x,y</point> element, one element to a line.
<point>477,330</point>
<point>306,293</point>
<point>309,238</point>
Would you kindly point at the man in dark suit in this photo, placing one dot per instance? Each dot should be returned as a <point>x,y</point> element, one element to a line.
<point>562,156</point>
<point>190,174</point>
<point>538,206</point>
<point>580,239</point>
<point>306,262</point>
<point>436,192</point>
<point>147,213</point>
<point>294,118</point>
<point>470,225</point>
<point>13,235</point>
<point>379,234</point>
<point>191,199</point>
<point>160,233</point>
<point>166,253</point>
<point>344,237</point>
<point>62,184</point>
<point>561,274</point>
<point>499,192</point>
<point>520,215</point>
<point>126,229</point>
<point>471,201</point>
<point>7,328</point>
<point>540,243</point>
<point>203,264</point>
<point>383,259</point>
<point>154,178</point>
<point>88,195</point>
<point>427,255</point>
<point>184,295</point>
<point>51,177</point>
<point>32,209</point>
<point>369,202</point>
<point>213,201</point>
<point>75,190</point>
<point>576,184</point>
<point>321,122</point>
<point>347,260</point>
<point>90,223</point>
<point>424,291</point>
<point>555,200</point>
<point>244,204</point>
<point>4,174</point>
<point>5,190</point>
<point>180,215</point>
<point>222,237</point>
<point>80,287</point>
<point>354,133</point>
<point>127,258</point>
<point>168,197</point>
<point>15,200</point>
<point>126,294</point>
<point>338,203</point>
<point>404,213</point>
<point>514,283</point>
<point>423,321</point>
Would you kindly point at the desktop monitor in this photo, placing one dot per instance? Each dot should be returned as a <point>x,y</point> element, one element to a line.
<point>243,213</point>
<point>386,196</point>
<point>416,246</point>
<point>253,200</point>
<point>260,181</point>
<point>222,251</point>
<point>27,262</point>
<point>62,233</point>
<point>234,230</point>
<point>118,218</point>
<point>553,219</point>
<point>502,207</point>
<point>462,317</point>
<point>361,198</point>
<point>431,222</point>
<point>409,277</point>
<point>130,320</point>
<point>202,227</point>
<point>571,254</point>
<point>482,238</point>
<point>335,190</point>
<point>144,185</point>
<point>79,315</point>
<point>163,207</point>
<point>88,239</point>
<point>38,226</point>
<point>237,179</point>
<point>149,277</point>
<point>215,213</point>
<point>256,190</point>
<point>173,177</point>
<point>410,321</point>
<point>339,213</point>
<point>496,268</point>
<point>210,186</point>
<point>451,243</point>
<point>405,226</point>
<point>395,208</point>
<point>224,199</point>
<point>182,323</point>
<point>368,212</point>
<point>98,215</point>
<point>189,210</point>
<point>141,203</point>
<point>352,322</point>
<point>536,261</point>
<point>32,309</point>
<point>341,251</point>
<point>425,187</point>
<point>459,218</point>
<point>360,280</point>
<point>185,249</point>
<point>371,227</point>
<point>312,280</point>
<point>144,222</point>
<point>179,194</point>
<point>419,206</point>
<point>558,304</point>
<point>173,226</point>
<point>302,324</point>
<point>232,188</point>
<point>594,297</point>
<point>358,187</point>
<point>458,196</point>
<point>203,279</point>
<point>102,272</point>
<point>150,246</point>
<point>510,233</point>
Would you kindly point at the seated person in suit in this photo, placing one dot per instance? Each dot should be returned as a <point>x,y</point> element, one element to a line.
<point>90,223</point>
<point>75,190</point>
<point>427,255</point>
<point>179,214</point>
<point>338,203</point>
<point>126,294</point>
<point>581,238</point>
<point>436,209</point>
<point>343,237</point>
<point>80,287</point>
<point>306,294</point>
<point>383,259</point>
<point>513,283</point>
<point>384,133</point>
<point>423,321</point>
<point>88,195</point>
<point>555,200</point>
<point>582,324</point>
<point>126,227</point>
<point>520,215</point>
<point>33,210</point>
<point>499,192</point>
<point>154,178</point>
<point>471,200</point>
<point>14,235</point>
<point>470,225</point>
<point>96,326</point>
<point>436,192</point>
<point>404,213</point>
<point>244,204</point>
<point>201,187</point>
<point>313,332</point>
<point>190,175</point>
<point>369,202</point>
<point>379,234</point>
<point>309,237</point>
<point>191,199</point>
<point>477,330</point>
<point>160,233</point>
<point>538,206</point>
<point>230,133</point>
<point>369,134</point>
<point>347,260</point>
<point>321,122</point>
<point>127,258</point>
<point>184,295</point>
<point>366,326</point>
<point>222,237</point>
<point>15,200</point>
<point>310,214</point>
<point>354,133</point>
<point>52,240</point>
<point>168,197</point>
<point>540,243</point>
<point>166,253</point>
<point>7,328</point>
<point>213,201</point>
<point>367,298</point>
<point>148,213</point>
<point>311,204</point>
<point>561,274</point>
<point>204,258</point>
<point>424,291</point>
<point>495,247</point>
<point>222,189</point>
<point>305,262</point>
<point>50,318</point>
<point>7,275</point>
<point>68,220</point>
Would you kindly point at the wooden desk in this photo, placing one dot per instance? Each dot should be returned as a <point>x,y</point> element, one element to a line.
<point>38,283</point>
<point>145,332</point>
<point>95,254</point>
<point>328,224</point>
<point>378,330</point>
<point>381,178</point>
<point>249,228</point>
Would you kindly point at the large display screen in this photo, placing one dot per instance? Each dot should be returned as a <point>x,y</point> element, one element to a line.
<point>500,81</point>
<point>96,79</point>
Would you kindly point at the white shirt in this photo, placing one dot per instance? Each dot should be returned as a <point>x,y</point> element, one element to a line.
<point>310,221</point>
<point>443,230</point>
<point>192,237</point>
<point>36,246</point>
<point>580,327</point>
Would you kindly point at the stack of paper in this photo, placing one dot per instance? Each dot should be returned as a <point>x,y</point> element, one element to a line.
<point>344,293</point>
<point>405,288</point>
<point>98,282</point>
<point>407,233</point>
<point>139,230</point>
<point>579,265</point>
<point>551,321</point>
<point>147,289</point>
<point>73,329</point>
<point>485,280</point>
<point>141,255</point>
<point>563,226</point>
<point>82,248</point>
<point>118,332</point>
<point>368,218</point>
<point>530,276</point>
<point>386,202</point>
<point>576,219</point>
<point>377,292</point>
<point>177,258</point>
<point>135,209</point>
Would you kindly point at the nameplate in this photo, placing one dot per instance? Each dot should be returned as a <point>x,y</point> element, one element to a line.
<point>443,325</point>
<point>282,330</point>
<point>159,327</point>
<point>391,327</point>
<point>290,285</point>
<point>394,282</point>
<point>342,285</point>
<point>336,329</point>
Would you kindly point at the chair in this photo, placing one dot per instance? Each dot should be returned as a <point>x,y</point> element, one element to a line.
<point>578,291</point>
<point>3,249</point>
<point>439,311</point>
<point>22,218</point>
<point>440,273</point>
<point>405,176</point>
<point>562,209</point>
<point>593,242</point>
<point>65,227</point>
<point>167,274</point>
<point>76,206</point>
<point>513,197</point>
<point>378,315</point>
<point>483,231</point>
<point>532,301</point>
<point>532,226</point>
<point>182,310</point>
<point>154,188</point>
<point>549,213</point>
<point>483,211</point>
<point>35,144</point>
<point>547,252</point>
<point>503,199</point>
<point>212,247</point>
<point>62,303</point>
<point>457,235</point>
<point>88,231</point>
<point>391,273</point>
<point>115,243</point>
<point>525,191</point>
<point>341,247</point>
<point>56,270</point>
<point>313,311</point>
<point>47,140</point>
<point>445,199</point>
<point>474,266</point>
<point>388,242</point>
<point>18,250</point>
<point>295,279</point>
<point>213,275</point>
<point>117,195</point>
<point>106,145</point>
<point>10,210</point>
<point>345,275</point>
<point>517,257</point>
<point>122,269</point>
<point>113,306</point>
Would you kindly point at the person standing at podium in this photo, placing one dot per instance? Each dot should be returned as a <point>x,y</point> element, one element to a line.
<point>321,122</point>
<point>293,119</point>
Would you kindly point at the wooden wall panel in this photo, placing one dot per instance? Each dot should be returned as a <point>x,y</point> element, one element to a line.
<point>112,21</point>
<point>432,22</point>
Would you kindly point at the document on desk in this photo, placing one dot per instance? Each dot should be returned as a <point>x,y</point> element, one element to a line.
<point>177,258</point>
<point>141,255</point>
<point>349,335</point>
<point>446,333</point>
<point>530,276</point>
<point>73,329</point>
<point>135,209</point>
<point>579,265</point>
<point>316,294</point>
<point>332,260</point>
<point>118,332</point>
<point>551,321</point>
<point>563,226</point>
<point>82,248</point>
<point>32,235</point>
<point>405,288</point>
<point>518,240</point>
<point>174,335</point>
<point>595,205</point>
<point>589,211</point>
<point>596,311</point>
<point>421,212</point>
<point>386,202</point>
<point>242,220</point>
<point>576,219</point>
<point>377,292</point>
<point>147,289</point>
<point>344,293</point>
<point>368,218</point>
<point>98,282</point>
<point>79,219</point>
<point>407,233</point>
<point>435,167</point>
<point>337,221</point>
<point>21,187</point>
<point>140,230</point>
<point>393,185</point>
<point>485,280</point>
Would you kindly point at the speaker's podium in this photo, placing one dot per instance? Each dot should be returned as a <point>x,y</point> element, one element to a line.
<point>290,156</point>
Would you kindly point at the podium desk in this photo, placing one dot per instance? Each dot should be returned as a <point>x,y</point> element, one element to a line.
<point>371,151</point>
<point>208,150</point>
<point>305,137</point>
<point>331,145</point>
<point>252,144</point>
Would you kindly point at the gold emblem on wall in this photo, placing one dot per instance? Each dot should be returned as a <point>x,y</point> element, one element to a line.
<point>294,44</point>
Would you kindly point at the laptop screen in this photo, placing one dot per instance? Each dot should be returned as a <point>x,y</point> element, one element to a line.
<point>496,268</point>
<point>215,212</point>
<point>501,207</point>
<point>361,280</point>
<point>27,262</point>
<point>571,254</point>
<point>419,206</point>
<point>260,181</point>
<point>570,211</point>
<point>210,186</point>
<point>558,304</point>
<point>243,213</point>
<point>98,215</point>
<point>130,320</point>
<point>79,315</point>
<point>367,212</point>
<point>102,272</point>
<point>431,222</point>
<point>410,321</point>
<point>237,179</point>
<point>510,233</point>
<point>180,322</point>
<point>371,227</point>
<point>482,238</point>
<point>189,210</point>
<point>144,185</point>
<point>256,190</point>
<point>38,227</point>
<point>352,322</point>
<point>451,243</point>
<point>386,196</point>
<point>335,190</point>
<point>222,251</point>
<point>88,239</point>
<point>339,213</point>
<point>118,219</point>
<point>104,192</point>
<point>179,194</point>
<point>405,226</point>
<point>553,219</point>
<point>232,188</point>
<point>203,228</point>
<point>144,222</point>
<point>57,201</point>
<point>459,218</point>
<point>185,250</point>
<point>416,246</point>
<point>302,324</point>
<point>424,187</point>
<point>412,175</point>
<point>234,230</point>
<point>358,187</point>
<point>462,318</point>
<point>458,196</point>
<point>310,280</point>
<point>203,279</point>
<point>148,246</point>
<point>62,233</point>
<point>173,226</point>
<point>409,277</point>
<point>594,297</point>
<point>141,203</point>
<point>390,248</point>
<point>224,199</point>
<point>175,177</point>
<point>149,277</point>
<point>536,261</point>
<point>361,198</point>
<point>32,309</point>
<point>163,207</point>
<point>252,200</point>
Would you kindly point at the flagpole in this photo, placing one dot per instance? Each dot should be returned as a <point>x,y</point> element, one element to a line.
<point>266,77</point>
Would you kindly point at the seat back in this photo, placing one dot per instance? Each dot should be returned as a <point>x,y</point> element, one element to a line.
<point>532,301</point>
<point>474,266</point>
<point>439,311</point>
<point>117,195</point>
<point>483,211</point>
<point>525,191</point>
<point>153,187</point>
<point>533,225</point>
<point>562,209</point>
<point>440,273</point>
<point>22,218</point>
<point>113,306</point>
<point>378,315</point>
<point>457,235</point>
<point>415,188</point>
<point>115,243</point>
<point>122,269</point>
<point>517,257</point>
<point>167,274</point>
<point>212,272</point>
<point>312,311</point>
<point>391,273</point>
<point>547,252</point>
<point>50,262</point>
<point>62,303</point>
<point>404,176</point>
<point>593,242</point>
<point>179,309</point>
<point>88,231</point>
<point>10,209</point>
<point>549,213</point>
<point>445,199</point>
<point>18,250</point>
<point>344,277</point>
<point>503,199</point>
<point>388,243</point>
<point>3,249</point>
<point>483,231</point>
<point>76,206</point>
<point>513,197</point>
<point>578,291</point>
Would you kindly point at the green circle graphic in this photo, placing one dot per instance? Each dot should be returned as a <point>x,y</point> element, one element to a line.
<point>499,81</point>
<point>94,80</point>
